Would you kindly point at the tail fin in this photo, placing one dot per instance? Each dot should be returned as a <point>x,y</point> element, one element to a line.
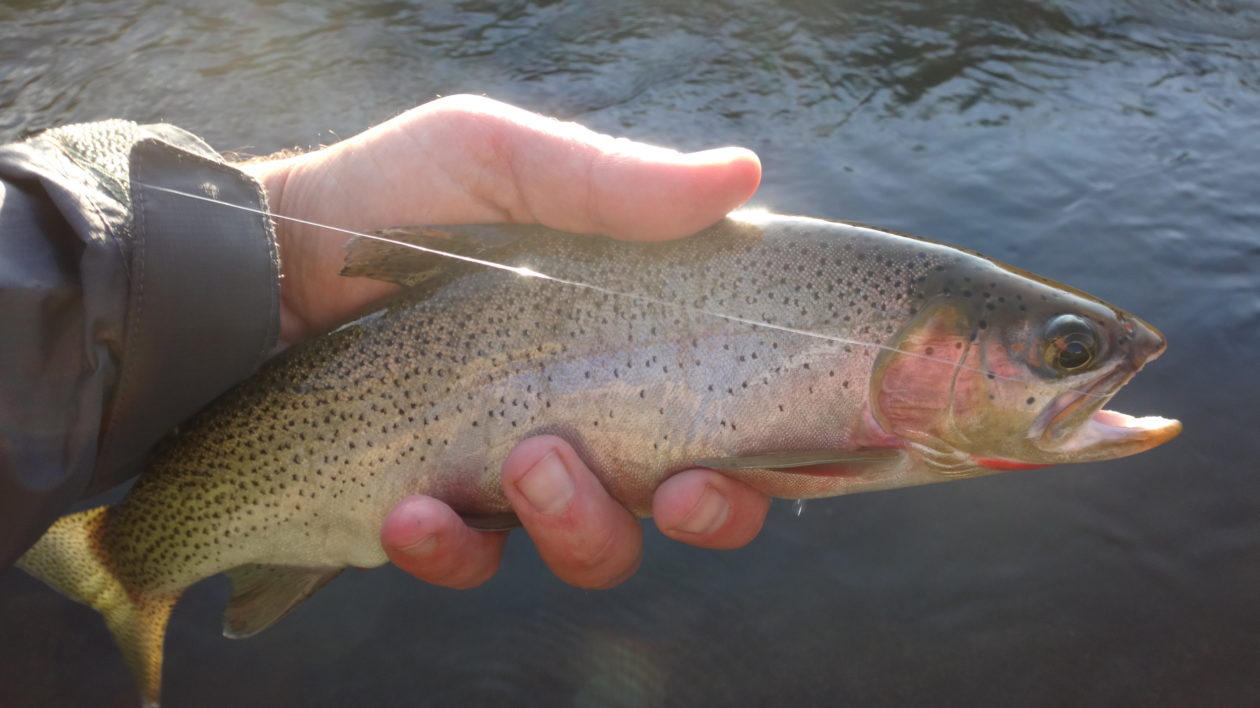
<point>69,558</point>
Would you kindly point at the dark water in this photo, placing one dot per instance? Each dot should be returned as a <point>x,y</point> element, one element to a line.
<point>1113,145</point>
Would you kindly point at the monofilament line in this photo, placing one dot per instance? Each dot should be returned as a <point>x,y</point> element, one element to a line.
<point>468,259</point>
<point>530,273</point>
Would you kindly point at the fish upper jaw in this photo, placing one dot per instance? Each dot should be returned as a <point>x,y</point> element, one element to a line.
<point>1075,425</point>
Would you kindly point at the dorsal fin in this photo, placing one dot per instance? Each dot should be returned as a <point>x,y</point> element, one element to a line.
<point>262,594</point>
<point>395,263</point>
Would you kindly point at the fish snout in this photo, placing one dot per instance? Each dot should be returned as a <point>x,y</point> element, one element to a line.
<point>1146,344</point>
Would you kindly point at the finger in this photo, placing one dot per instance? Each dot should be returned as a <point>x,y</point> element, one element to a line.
<point>584,535</point>
<point>426,538</point>
<point>704,508</point>
<point>536,169</point>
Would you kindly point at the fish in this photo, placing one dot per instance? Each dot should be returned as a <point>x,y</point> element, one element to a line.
<point>807,358</point>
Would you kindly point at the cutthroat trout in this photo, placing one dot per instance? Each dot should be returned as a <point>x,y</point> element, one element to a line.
<point>807,358</point>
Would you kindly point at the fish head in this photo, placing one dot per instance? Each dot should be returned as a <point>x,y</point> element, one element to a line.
<point>1001,369</point>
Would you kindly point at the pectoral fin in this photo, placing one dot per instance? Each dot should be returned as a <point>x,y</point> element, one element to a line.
<point>794,459</point>
<point>262,594</point>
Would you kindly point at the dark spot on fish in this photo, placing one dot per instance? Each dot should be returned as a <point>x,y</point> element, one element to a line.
<point>1031,400</point>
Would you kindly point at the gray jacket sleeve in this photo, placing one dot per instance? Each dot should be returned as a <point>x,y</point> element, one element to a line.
<point>123,309</point>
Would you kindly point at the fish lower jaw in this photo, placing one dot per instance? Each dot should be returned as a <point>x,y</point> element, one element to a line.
<point>1113,425</point>
<point>1108,434</point>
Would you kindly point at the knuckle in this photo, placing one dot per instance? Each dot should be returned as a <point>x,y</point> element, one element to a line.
<point>596,549</point>
<point>602,559</point>
<point>464,566</point>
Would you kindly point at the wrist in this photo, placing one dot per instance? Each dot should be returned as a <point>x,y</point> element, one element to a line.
<point>273,175</point>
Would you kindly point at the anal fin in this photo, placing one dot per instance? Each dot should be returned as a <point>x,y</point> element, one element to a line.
<point>262,594</point>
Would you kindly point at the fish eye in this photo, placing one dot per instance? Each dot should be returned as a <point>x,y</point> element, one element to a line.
<point>1070,343</point>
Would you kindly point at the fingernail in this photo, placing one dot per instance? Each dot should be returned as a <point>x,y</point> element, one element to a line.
<point>547,485</point>
<point>707,515</point>
<point>422,548</point>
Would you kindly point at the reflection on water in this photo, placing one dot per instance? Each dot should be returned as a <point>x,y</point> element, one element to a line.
<point>1108,144</point>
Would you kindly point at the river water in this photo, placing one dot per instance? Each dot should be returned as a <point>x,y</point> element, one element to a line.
<point>1111,144</point>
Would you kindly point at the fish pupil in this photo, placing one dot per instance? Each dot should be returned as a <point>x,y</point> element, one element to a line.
<point>1074,355</point>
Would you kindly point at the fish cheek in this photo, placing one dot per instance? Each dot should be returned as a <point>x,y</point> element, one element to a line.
<point>997,401</point>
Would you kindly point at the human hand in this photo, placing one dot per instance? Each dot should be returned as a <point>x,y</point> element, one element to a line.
<point>584,535</point>
<point>466,159</point>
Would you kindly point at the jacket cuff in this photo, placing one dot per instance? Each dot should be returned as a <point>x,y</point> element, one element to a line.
<point>123,309</point>
<point>203,305</point>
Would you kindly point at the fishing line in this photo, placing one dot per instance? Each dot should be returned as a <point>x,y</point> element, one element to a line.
<point>530,273</point>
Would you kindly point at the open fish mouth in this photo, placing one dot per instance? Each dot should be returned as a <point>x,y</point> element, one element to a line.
<point>1076,427</point>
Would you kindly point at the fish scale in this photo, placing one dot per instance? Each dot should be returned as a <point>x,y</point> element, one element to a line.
<point>806,358</point>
